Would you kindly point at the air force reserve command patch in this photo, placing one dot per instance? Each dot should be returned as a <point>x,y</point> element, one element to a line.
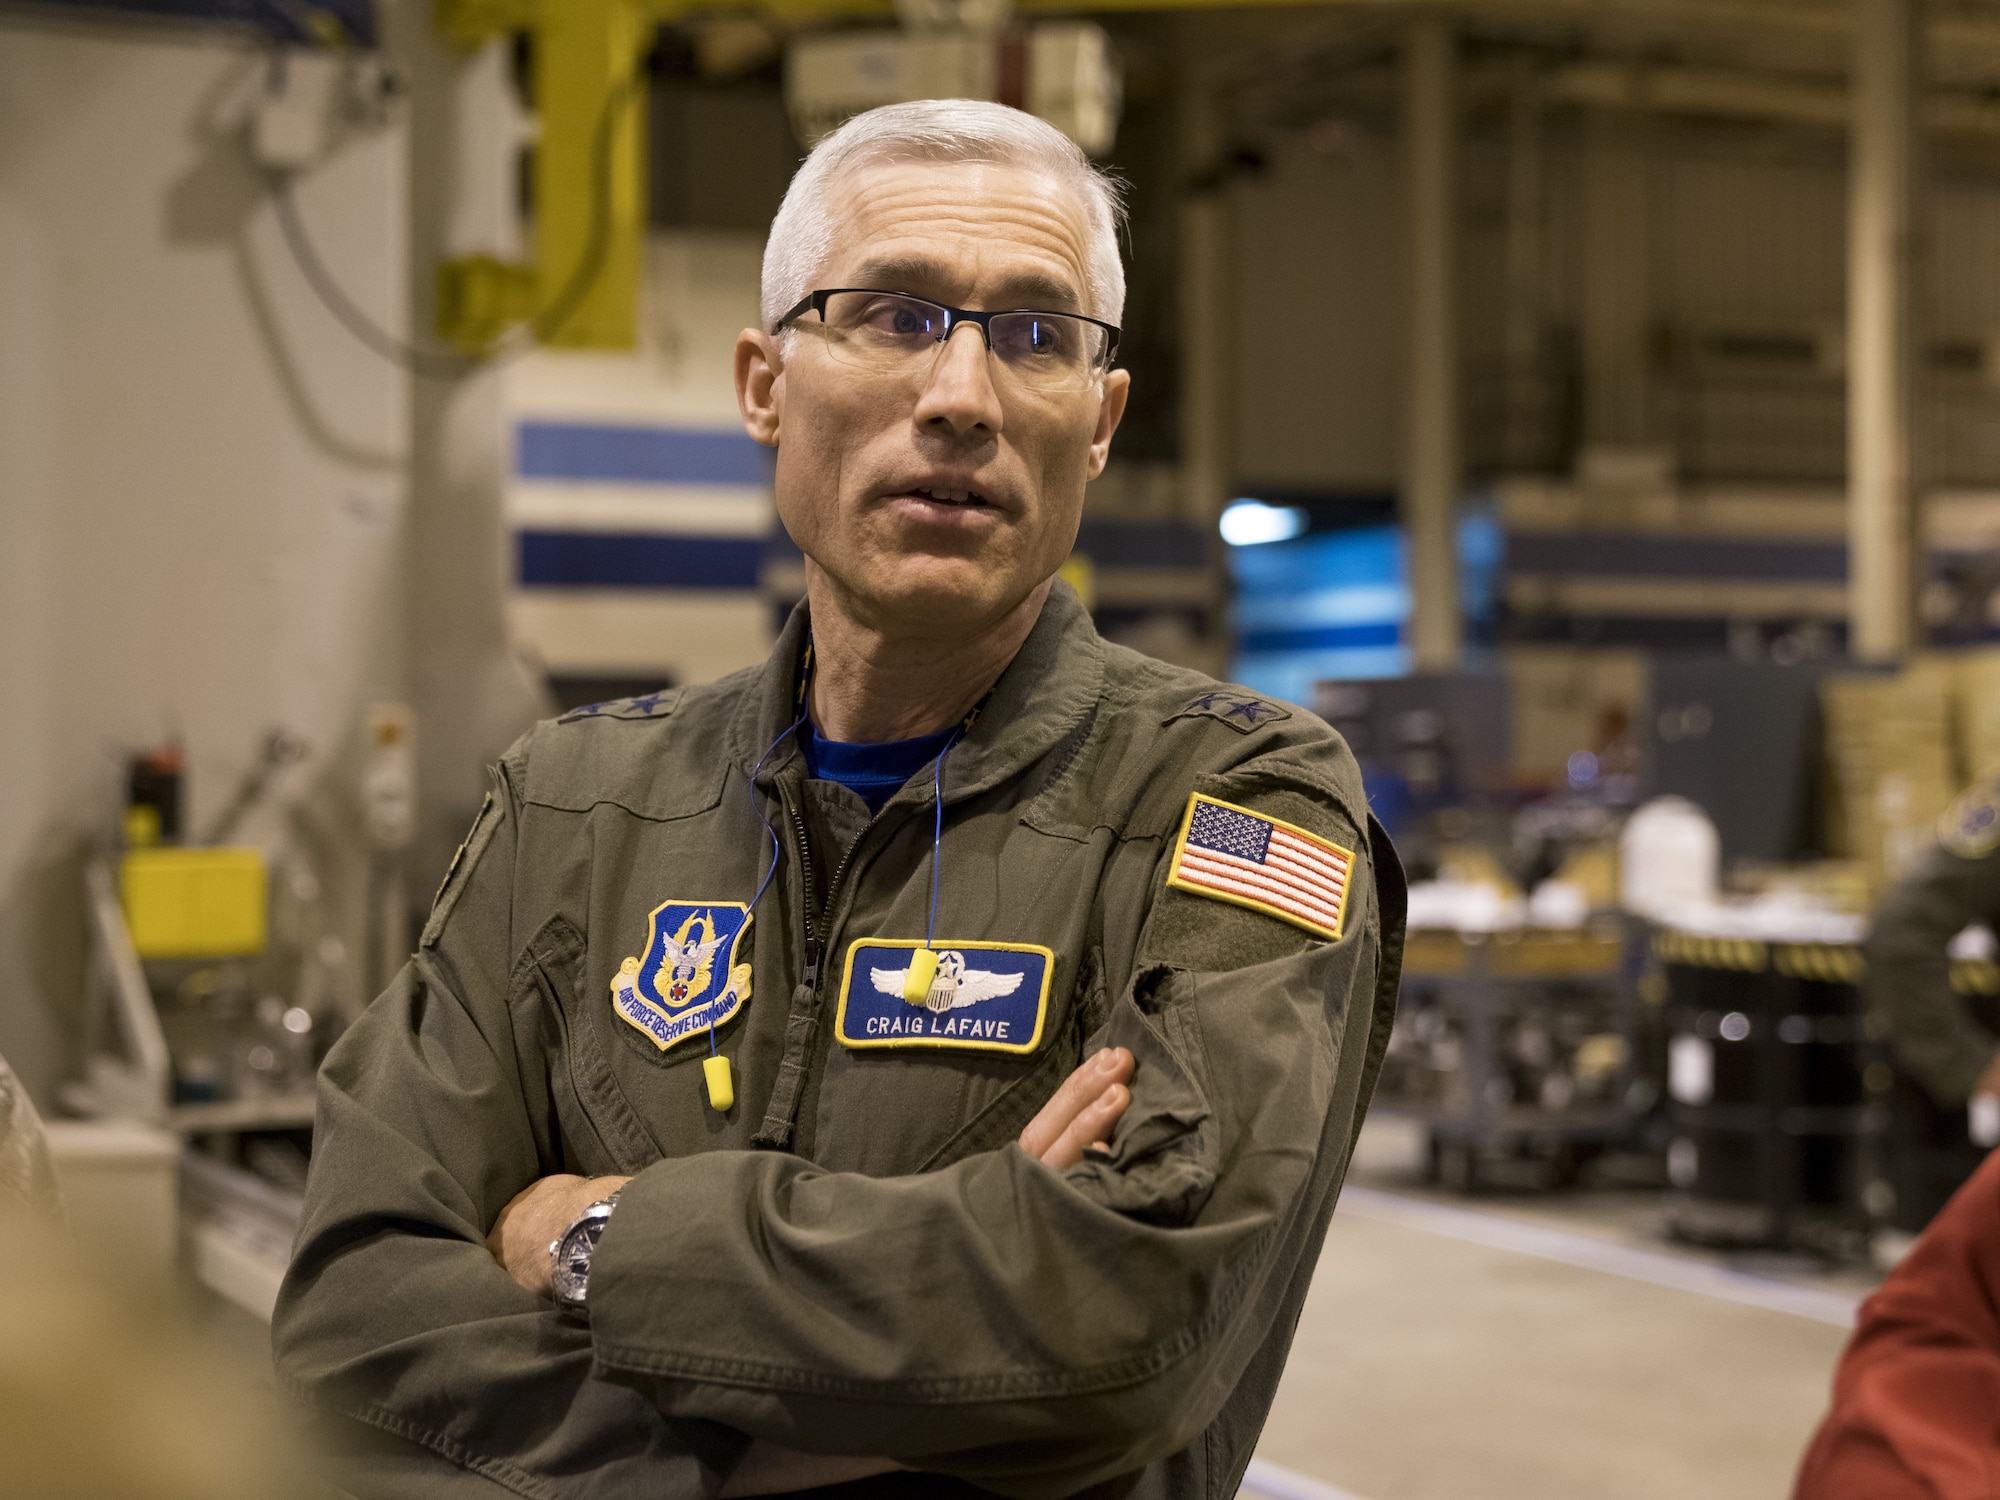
<point>1233,854</point>
<point>1970,827</point>
<point>987,997</point>
<point>690,978</point>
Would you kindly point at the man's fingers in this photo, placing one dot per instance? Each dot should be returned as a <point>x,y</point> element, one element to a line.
<point>1093,1125</point>
<point>1079,1092</point>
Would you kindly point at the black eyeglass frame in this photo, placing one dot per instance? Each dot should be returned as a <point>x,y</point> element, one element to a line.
<point>953,316</point>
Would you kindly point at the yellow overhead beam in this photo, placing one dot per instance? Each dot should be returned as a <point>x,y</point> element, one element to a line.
<point>590,175</point>
<point>582,288</point>
<point>590,171</point>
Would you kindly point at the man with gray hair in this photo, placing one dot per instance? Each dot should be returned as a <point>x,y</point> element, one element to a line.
<point>922,1065</point>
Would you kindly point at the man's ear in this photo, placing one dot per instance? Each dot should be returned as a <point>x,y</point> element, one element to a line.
<point>1110,411</point>
<point>760,371</point>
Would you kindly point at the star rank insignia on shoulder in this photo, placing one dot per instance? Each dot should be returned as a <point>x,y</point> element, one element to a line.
<point>654,705</point>
<point>1240,710</point>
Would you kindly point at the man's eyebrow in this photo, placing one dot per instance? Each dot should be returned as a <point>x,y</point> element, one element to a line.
<point>922,278</point>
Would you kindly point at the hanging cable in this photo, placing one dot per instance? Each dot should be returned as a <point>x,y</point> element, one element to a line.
<point>758,812</point>
<point>449,364</point>
<point>937,832</point>
<point>438,364</point>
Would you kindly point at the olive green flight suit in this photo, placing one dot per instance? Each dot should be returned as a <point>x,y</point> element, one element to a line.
<point>1943,1040</point>
<point>857,1258</point>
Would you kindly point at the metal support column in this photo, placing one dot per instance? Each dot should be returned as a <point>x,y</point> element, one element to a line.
<point>1526,405</point>
<point>1206,389</point>
<point>1431,442</point>
<point>1884,556</point>
<point>470,693</point>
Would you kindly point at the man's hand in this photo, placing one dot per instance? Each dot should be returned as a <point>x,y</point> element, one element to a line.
<point>1083,1112</point>
<point>538,1214</point>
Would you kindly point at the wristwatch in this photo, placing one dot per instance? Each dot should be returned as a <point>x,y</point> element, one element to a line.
<point>570,1253</point>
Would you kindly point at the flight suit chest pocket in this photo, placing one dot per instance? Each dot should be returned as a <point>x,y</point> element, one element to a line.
<point>914,1085</point>
<point>594,1130</point>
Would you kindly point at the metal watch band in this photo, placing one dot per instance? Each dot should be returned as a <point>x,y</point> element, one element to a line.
<point>570,1255</point>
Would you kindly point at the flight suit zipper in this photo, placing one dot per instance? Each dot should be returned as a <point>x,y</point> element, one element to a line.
<point>815,948</point>
<point>780,1115</point>
<point>810,978</point>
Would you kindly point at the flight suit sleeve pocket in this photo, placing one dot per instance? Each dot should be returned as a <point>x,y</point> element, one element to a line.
<point>1259,867</point>
<point>1164,1155</point>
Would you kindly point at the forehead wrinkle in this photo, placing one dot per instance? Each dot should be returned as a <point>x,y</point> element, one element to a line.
<point>924,202</point>
<point>922,276</point>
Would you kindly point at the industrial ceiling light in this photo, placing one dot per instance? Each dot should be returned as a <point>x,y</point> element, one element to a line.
<point>1246,523</point>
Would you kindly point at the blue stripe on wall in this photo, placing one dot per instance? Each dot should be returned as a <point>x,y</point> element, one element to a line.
<point>641,455</point>
<point>1322,638</point>
<point>583,559</point>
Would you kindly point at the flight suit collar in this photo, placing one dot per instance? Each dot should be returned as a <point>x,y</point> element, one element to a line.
<point>1050,687</point>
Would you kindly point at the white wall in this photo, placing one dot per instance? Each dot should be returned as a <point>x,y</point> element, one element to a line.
<point>202,486</point>
<point>699,292</point>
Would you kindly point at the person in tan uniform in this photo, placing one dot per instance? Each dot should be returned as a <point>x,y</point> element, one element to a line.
<point>925,1063</point>
<point>1946,1043</point>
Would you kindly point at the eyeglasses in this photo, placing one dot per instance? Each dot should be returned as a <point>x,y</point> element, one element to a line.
<point>892,333</point>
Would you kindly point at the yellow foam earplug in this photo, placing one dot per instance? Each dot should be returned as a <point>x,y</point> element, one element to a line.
<point>721,1091</point>
<point>923,969</point>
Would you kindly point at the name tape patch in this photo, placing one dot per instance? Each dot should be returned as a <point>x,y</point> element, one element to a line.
<point>1232,854</point>
<point>987,997</point>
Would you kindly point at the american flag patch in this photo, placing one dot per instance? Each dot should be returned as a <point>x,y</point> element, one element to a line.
<point>1266,864</point>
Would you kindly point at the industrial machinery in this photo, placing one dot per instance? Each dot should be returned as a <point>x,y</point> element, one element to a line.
<point>217,979</point>
<point>1778,1094</point>
<point>1519,1052</point>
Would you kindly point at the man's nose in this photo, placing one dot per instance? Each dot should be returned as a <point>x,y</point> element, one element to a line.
<point>960,391</point>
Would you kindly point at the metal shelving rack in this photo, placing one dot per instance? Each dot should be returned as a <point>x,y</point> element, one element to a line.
<point>1476,985</point>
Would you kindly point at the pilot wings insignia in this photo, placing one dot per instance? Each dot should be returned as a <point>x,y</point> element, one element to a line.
<point>955,987</point>
<point>987,997</point>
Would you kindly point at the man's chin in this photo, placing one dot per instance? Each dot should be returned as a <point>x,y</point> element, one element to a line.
<point>933,597</point>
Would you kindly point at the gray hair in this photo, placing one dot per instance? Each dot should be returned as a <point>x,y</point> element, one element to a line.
<point>946,130</point>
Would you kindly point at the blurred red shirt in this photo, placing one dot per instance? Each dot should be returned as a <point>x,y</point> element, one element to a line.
<point>1916,1397</point>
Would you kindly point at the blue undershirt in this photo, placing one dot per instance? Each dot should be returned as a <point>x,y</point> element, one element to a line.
<point>874,773</point>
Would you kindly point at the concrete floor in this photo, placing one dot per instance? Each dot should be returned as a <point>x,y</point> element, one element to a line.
<point>1542,1348</point>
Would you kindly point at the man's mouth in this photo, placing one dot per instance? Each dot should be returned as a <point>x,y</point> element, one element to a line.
<point>969,499</point>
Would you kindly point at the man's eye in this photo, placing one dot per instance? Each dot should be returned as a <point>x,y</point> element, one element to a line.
<point>1040,337</point>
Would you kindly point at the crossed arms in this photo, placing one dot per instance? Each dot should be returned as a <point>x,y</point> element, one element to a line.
<point>1031,1326</point>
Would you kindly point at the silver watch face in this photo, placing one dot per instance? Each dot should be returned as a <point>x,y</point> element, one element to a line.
<point>569,1275</point>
